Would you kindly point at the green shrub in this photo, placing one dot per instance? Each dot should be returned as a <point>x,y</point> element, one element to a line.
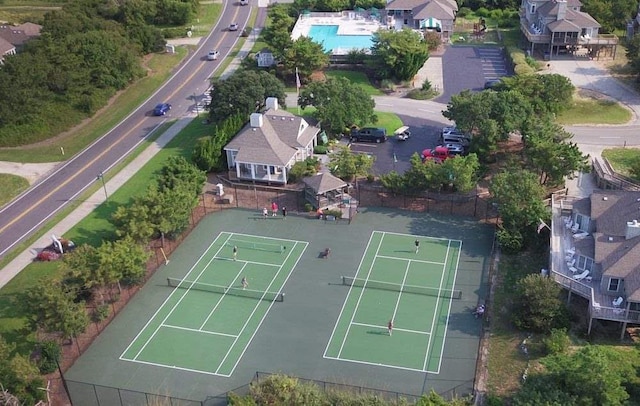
<point>388,85</point>
<point>463,12</point>
<point>433,40</point>
<point>100,313</point>
<point>558,341</point>
<point>50,353</point>
<point>308,207</point>
<point>320,149</point>
<point>483,12</point>
<point>173,32</point>
<point>299,170</point>
<point>335,213</point>
<point>370,178</point>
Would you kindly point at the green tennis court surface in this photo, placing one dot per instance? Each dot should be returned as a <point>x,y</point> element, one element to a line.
<point>210,308</point>
<point>414,289</point>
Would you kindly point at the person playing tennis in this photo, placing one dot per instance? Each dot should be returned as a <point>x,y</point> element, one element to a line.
<point>390,327</point>
<point>235,252</point>
<point>417,243</point>
<point>244,282</point>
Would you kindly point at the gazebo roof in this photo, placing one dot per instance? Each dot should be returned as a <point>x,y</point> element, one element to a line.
<point>323,183</point>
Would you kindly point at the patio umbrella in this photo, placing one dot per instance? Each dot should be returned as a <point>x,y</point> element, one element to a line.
<point>374,11</point>
<point>306,12</point>
<point>430,23</point>
<point>358,10</point>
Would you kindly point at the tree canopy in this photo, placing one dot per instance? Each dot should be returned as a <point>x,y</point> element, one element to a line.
<point>243,93</point>
<point>339,104</point>
<point>398,54</point>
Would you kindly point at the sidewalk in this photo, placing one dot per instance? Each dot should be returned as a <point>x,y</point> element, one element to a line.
<point>33,171</point>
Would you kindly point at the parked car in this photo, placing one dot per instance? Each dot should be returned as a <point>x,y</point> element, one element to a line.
<point>244,2</point>
<point>454,149</point>
<point>161,109</point>
<point>490,84</point>
<point>455,139</point>
<point>212,55</point>
<point>437,155</point>
<point>233,27</point>
<point>369,134</point>
<point>454,131</point>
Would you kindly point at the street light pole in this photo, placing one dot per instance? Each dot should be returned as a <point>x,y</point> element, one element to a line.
<point>101,177</point>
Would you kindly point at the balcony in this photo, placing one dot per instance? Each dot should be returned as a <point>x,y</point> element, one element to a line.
<point>532,35</point>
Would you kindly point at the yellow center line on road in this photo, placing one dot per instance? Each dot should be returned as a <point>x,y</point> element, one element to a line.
<point>71,178</point>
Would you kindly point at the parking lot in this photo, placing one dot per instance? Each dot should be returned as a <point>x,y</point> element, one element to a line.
<point>464,67</point>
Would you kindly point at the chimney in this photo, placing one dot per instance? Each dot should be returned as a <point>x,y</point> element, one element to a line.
<point>562,9</point>
<point>256,120</point>
<point>271,103</point>
<point>632,230</point>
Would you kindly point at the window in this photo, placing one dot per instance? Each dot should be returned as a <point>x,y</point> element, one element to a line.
<point>585,263</point>
<point>613,284</point>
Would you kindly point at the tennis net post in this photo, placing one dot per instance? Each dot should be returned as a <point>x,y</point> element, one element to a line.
<point>394,287</point>
<point>226,290</point>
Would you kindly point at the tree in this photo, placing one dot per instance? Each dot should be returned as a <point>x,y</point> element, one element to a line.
<point>122,260</point>
<point>20,378</point>
<point>611,14</point>
<point>461,172</point>
<point>346,165</point>
<point>243,93</point>
<point>550,155</point>
<point>134,221</point>
<point>277,34</point>
<point>519,197</point>
<point>306,55</point>
<point>594,375</point>
<point>398,54</point>
<point>339,104</point>
<point>54,310</point>
<point>537,306</point>
<point>547,94</point>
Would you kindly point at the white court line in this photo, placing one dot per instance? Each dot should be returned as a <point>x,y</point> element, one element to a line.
<point>421,236</point>
<point>197,330</point>
<point>394,329</point>
<point>255,308</point>
<point>345,301</point>
<point>171,295</point>
<point>249,262</point>
<point>306,244</point>
<point>446,326</point>
<point>175,306</point>
<point>355,309</point>
<point>411,260</point>
<point>433,321</point>
<point>220,299</point>
<point>404,279</point>
<point>155,364</point>
<point>375,364</point>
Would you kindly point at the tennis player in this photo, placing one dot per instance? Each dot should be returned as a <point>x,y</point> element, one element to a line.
<point>235,252</point>
<point>417,243</point>
<point>390,327</point>
<point>244,282</point>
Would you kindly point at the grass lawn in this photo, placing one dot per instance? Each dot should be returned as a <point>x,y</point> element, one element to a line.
<point>390,121</point>
<point>357,78</point>
<point>506,362</point>
<point>93,229</point>
<point>11,186</point>
<point>588,110</point>
<point>622,159</point>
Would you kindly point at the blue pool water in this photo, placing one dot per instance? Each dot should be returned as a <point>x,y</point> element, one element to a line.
<point>327,35</point>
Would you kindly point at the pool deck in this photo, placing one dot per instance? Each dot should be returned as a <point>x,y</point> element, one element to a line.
<point>358,25</point>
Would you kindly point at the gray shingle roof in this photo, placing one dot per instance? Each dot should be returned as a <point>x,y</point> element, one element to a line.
<point>276,142</point>
<point>417,5</point>
<point>434,9</point>
<point>5,47</point>
<point>324,183</point>
<point>618,256</point>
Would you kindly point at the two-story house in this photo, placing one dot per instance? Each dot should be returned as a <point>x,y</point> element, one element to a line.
<point>558,26</point>
<point>436,15</point>
<point>13,37</point>
<point>596,253</point>
<point>269,145</point>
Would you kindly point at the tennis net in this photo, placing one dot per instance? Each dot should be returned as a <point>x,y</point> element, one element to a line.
<point>419,290</point>
<point>227,290</point>
<point>259,246</point>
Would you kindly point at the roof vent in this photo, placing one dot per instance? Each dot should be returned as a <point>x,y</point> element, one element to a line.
<point>610,239</point>
<point>638,199</point>
<point>291,118</point>
<point>605,198</point>
<point>283,118</point>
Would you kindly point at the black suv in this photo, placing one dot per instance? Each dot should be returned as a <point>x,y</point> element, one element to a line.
<point>369,134</point>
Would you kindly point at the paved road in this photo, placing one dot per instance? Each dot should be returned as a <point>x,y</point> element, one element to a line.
<point>24,215</point>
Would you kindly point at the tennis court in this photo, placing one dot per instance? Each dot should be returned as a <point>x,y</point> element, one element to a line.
<point>211,307</point>
<point>414,289</point>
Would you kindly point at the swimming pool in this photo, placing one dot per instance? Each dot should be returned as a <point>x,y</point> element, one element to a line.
<point>328,36</point>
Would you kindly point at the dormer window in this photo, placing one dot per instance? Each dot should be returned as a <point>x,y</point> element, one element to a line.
<point>533,8</point>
